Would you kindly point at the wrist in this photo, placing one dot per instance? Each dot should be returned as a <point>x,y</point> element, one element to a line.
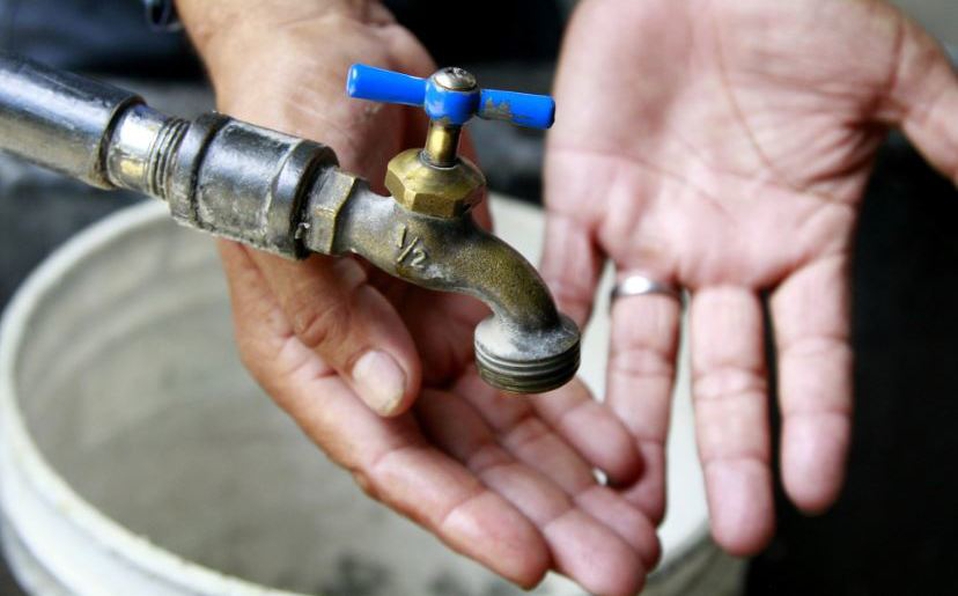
<point>227,34</point>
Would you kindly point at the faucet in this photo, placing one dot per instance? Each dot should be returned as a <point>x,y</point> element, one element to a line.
<point>286,195</point>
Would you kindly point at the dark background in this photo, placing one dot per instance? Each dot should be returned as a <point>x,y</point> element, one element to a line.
<point>895,527</point>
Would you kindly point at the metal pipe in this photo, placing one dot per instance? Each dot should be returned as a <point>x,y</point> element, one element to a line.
<point>57,119</point>
<point>286,195</point>
<point>227,177</point>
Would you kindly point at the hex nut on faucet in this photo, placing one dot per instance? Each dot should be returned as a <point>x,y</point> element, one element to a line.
<point>325,205</point>
<point>430,190</point>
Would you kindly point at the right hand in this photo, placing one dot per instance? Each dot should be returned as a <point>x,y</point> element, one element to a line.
<point>728,152</point>
<point>345,349</point>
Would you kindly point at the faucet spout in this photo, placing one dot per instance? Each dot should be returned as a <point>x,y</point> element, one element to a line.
<point>526,345</point>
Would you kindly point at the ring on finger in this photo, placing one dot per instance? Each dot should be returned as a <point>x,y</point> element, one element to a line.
<point>640,285</point>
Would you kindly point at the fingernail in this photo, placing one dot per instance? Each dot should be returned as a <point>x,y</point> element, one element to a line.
<point>380,381</point>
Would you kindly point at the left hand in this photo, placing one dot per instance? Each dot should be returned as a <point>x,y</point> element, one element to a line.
<point>507,481</point>
<point>724,145</point>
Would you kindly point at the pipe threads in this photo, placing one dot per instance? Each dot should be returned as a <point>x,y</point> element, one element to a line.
<point>527,376</point>
<point>527,361</point>
<point>162,153</point>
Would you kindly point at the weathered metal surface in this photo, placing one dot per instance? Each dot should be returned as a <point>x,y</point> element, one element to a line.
<point>526,346</point>
<point>440,192</point>
<point>442,145</point>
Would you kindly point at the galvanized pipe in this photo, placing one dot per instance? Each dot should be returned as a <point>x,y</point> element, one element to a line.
<point>57,119</point>
<point>285,195</point>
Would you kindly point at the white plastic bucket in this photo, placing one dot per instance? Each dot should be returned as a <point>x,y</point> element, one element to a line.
<point>138,458</point>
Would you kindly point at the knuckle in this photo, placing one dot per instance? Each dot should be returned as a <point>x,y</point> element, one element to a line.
<point>249,361</point>
<point>643,361</point>
<point>818,346</point>
<point>728,382</point>
<point>251,355</point>
<point>526,432</point>
<point>321,326</point>
<point>366,484</point>
<point>572,296</point>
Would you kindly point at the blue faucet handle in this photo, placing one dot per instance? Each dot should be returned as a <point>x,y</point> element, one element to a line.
<point>379,84</point>
<point>525,109</point>
<point>450,96</point>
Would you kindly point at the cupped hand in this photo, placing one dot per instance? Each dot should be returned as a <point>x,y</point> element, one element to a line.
<point>346,349</point>
<point>724,145</point>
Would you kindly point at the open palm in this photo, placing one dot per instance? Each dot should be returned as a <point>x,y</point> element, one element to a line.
<point>724,145</point>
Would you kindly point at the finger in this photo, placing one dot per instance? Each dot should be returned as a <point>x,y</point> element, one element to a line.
<point>388,457</point>
<point>582,433</point>
<point>592,429</point>
<point>571,265</point>
<point>524,434</point>
<point>529,439</point>
<point>449,353</point>
<point>349,324</point>
<point>582,548</point>
<point>923,99</point>
<point>729,390</point>
<point>811,318</point>
<point>252,300</point>
<point>641,371</point>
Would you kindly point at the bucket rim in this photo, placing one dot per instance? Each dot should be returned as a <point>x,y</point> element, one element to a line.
<point>35,470</point>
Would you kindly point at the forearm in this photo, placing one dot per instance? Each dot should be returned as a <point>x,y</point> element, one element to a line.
<point>225,32</point>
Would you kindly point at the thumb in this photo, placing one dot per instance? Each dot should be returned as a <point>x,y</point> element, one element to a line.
<point>923,98</point>
<point>348,323</point>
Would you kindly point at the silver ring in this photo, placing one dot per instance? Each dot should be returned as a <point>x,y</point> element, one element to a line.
<point>639,285</point>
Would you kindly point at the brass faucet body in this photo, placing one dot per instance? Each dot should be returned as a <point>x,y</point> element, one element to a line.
<point>526,346</point>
